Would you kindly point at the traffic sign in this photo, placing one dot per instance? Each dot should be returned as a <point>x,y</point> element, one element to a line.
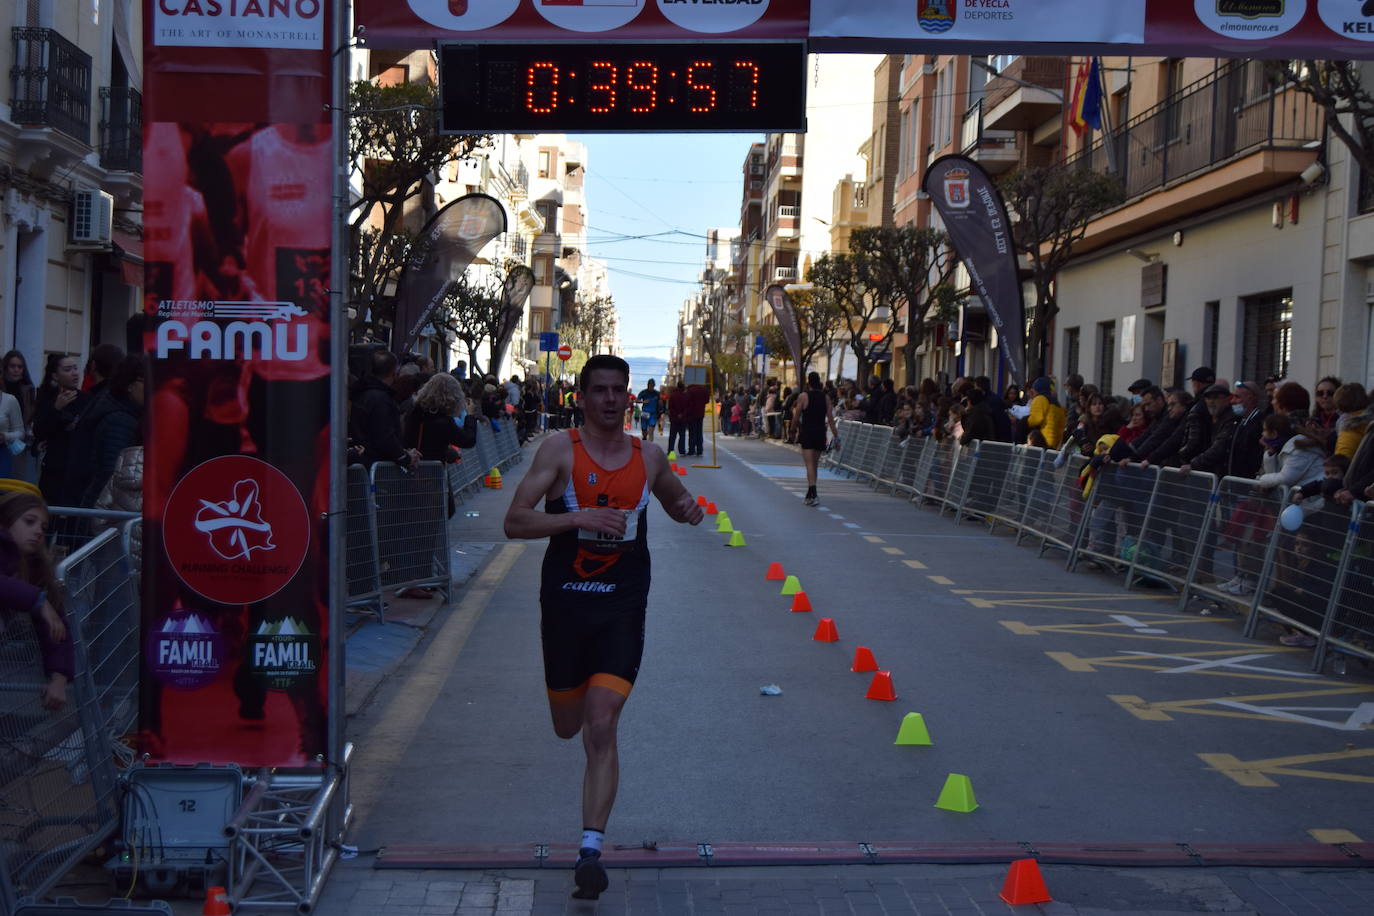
<point>760,347</point>
<point>548,341</point>
<point>565,353</point>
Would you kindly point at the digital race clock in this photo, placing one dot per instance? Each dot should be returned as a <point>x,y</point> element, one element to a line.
<point>715,86</point>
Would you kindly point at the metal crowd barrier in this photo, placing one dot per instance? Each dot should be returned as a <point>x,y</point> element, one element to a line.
<point>410,518</point>
<point>361,573</point>
<point>1216,539</point>
<point>58,797</point>
<point>98,587</point>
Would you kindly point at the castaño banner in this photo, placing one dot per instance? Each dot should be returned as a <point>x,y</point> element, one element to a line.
<point>237,224</point>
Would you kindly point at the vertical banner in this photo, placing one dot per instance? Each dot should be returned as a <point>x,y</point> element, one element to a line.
<point>238,207</point>
<point>518,285</point>
<point>450,241</point>
<point>975,217</point>
<point>786,316</point>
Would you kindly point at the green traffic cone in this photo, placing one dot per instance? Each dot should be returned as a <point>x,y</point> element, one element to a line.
<point>913,731</point>
<point>736,539</point>
<point>723,523</point>
<point>672,455</point>
<point>957,795</point>
<point>790,586</point>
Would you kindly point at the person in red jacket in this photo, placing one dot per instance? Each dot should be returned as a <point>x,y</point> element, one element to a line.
<point>697,397</point>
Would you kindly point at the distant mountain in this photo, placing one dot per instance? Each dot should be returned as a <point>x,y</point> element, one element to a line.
<point>643,368</point>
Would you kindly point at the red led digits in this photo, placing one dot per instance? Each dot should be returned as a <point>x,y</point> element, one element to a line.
<point>549,89</point>
<point>747,77</point>
<point>704,94</point>
<point>649,90</point>
<point>608,86</point>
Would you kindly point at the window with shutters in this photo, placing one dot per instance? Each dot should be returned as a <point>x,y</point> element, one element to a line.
<point>1106,355</point>
<point>1268,335</point>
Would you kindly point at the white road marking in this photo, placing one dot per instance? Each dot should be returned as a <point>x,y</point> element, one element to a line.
<point>1236,662</point>
<point>1136,624</point>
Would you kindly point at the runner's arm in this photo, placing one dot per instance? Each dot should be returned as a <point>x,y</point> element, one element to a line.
<point>663,483</point>
<point>525,521</point>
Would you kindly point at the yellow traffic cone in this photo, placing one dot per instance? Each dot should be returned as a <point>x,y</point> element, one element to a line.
<point>913,731</point>
<point>672,455</point>
<point>723,525</point>
<point>957,795</point>
<point>736,539</point>
<point>790,586</point>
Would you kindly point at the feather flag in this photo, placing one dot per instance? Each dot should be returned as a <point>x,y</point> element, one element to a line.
<point>1086,108</point>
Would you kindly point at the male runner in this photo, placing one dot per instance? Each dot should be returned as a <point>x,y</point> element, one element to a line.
<point>595,482</point>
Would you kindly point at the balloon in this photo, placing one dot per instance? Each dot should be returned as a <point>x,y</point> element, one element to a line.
<point>1291,518</point>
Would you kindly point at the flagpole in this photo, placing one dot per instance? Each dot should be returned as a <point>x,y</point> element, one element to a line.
<point>1105,113</point>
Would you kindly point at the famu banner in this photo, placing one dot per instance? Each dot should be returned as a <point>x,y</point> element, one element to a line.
<point>976,219</point>
<point>238,246</point>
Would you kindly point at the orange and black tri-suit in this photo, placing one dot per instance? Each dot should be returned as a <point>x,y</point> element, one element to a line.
<point>595,587</point>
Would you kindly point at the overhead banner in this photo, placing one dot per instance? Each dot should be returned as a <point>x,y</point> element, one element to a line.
<point>238,219</point>
<point>786,316</point>
<point>1170,28</point>
<point>401,23</point>
<point>975,219</point>
<point>450,241</point>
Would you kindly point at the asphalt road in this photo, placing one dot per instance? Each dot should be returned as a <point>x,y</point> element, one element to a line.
<point>1081,712</point>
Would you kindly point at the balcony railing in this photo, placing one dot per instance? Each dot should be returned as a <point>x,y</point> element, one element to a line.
<point>784,274</point>
<point>786,211</point>
<point>973,136</point>
<point>50,83</point>
<point>121,129</point>
<point>1218,118</point>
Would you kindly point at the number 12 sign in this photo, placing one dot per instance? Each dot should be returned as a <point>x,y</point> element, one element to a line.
<point>727,86</point>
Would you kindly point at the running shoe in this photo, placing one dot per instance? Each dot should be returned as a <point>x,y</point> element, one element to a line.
<point>813,500</point>
<point>589,875</point>
<point>1298,640</point>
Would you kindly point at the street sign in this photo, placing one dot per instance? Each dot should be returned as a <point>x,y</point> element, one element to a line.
<point>565,353</point>
<point>759,348</point>
<point>548,341</point>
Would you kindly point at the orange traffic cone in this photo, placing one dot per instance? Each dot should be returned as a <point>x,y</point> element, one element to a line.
<point>673,466</point>
<point>1024,884</point>
<point>800,602</point>
<point>880,688</point>
<point>775,573</point>
<point>216,902</point>
<point>825,631</point>
<point>681,471</point>
<point>701,501</point>
<point>863,660</point>
<point>711,509</point>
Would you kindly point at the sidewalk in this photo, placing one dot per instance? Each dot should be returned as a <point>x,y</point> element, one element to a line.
<point>355,889</point>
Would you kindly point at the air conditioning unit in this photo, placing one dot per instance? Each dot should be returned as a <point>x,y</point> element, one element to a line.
<point>92,217</point>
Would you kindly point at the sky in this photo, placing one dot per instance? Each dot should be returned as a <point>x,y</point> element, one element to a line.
<point>673,187</point>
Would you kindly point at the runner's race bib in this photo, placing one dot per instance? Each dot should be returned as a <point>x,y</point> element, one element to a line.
<point>600,540</point>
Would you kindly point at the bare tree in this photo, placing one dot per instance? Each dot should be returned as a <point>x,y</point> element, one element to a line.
<point>1336,86</point>
<point>394,143</point>
<point>909,268</point>
<point>592,323</point>
<point>1051,207</point>
<point>838,280</point>
<point>471,311</point>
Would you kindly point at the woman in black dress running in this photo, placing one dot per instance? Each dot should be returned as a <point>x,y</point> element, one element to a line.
<point>812,414</point>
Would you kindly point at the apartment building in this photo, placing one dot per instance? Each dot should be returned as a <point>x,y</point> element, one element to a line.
<point>1227,251</point>
<point>70,175</point>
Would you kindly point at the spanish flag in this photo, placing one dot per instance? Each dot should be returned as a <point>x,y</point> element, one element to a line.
<point>1086,108</point>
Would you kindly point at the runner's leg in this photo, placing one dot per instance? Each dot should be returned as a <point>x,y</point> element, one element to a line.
<point>600,721</point>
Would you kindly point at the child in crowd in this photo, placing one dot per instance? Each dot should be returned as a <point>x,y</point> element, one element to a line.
<point>28,584</point>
